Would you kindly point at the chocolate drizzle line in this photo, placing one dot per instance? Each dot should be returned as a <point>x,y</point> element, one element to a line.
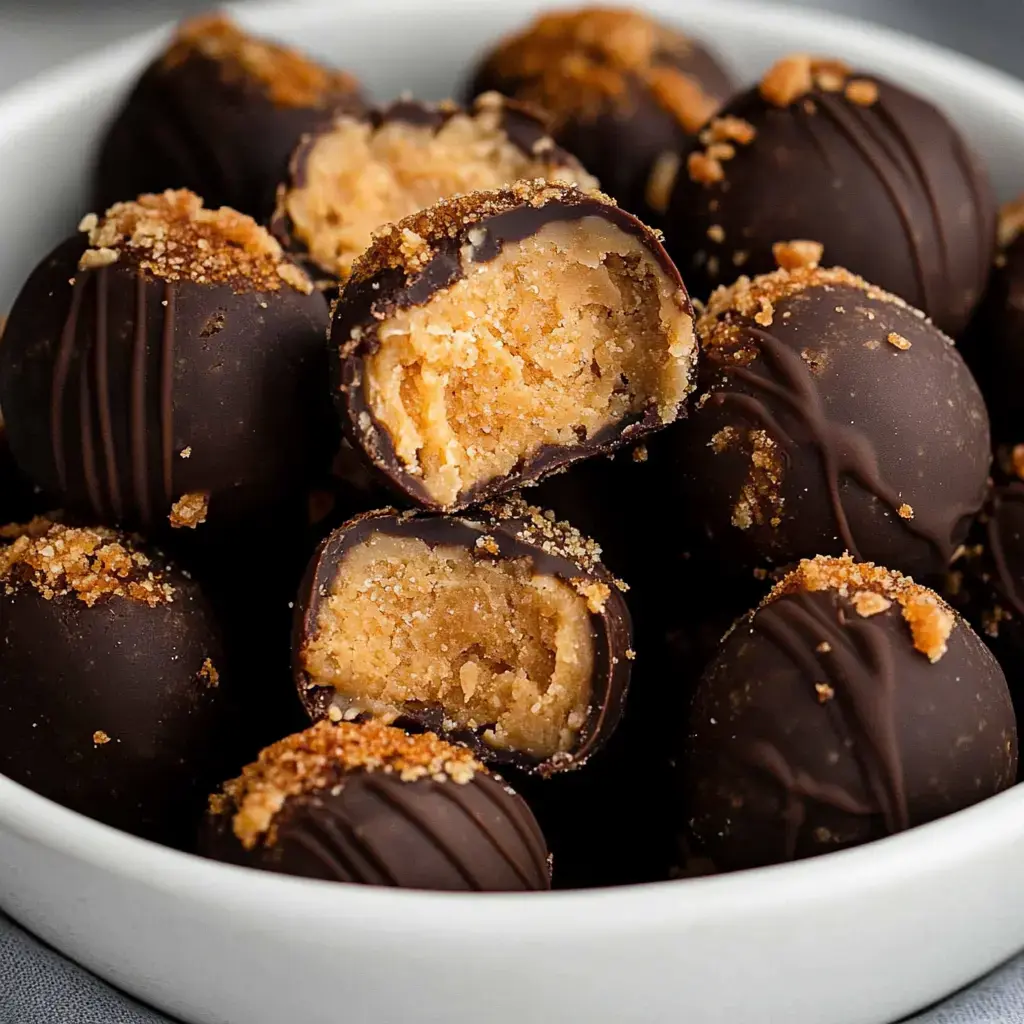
<point>85,427</point>
<point>346,844</point>
<point>844,450</point>
<point>138,401</point>
<point>167,392</point>
<point>860,667</point>
<point>61,368</point>
<point>102,363</point>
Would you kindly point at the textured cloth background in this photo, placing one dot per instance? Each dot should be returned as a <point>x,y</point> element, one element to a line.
<point>38,986</point>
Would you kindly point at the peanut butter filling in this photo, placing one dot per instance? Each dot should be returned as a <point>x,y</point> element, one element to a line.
<point>496,645</point>
<point>559,337</point>
<point>357,178</point>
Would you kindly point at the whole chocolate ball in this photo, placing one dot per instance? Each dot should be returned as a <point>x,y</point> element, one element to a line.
<point>624,92</point>
<point>219,112</point>
<point>852,704</point>
<point>832,417</point>
<point>110,691</point>
<point>373,805</point>
<point>877,175</point>
<point>167,369</point>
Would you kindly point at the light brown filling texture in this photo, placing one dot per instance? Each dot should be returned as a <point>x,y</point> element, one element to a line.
<point>559,337</point>
<point>358,179</point>
<point>495,645</point>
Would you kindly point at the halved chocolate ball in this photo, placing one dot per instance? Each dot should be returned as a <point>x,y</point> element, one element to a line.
<point>167,367</point>
<point>357,174</point>
<point>501,630</point>
<point>624,92</point>
<point>111,700</point>
<point>851,705</point>
<point>219,112</point>
<point>370,804</point>
<point>876,174</point>
<point>497,337</point>
<point>833,417</point>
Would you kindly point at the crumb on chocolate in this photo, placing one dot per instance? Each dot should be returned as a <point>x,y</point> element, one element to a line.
<point>703,169</point>
<point>716,233</point>
<point>1011,221</point>
<point>287,77</point>
<point>100,738</point>
<point>868,603</point>
<point>905,511</point>
<point>862,92</point>
<point>172,236</point>
<point>209,675</point>
<point>320,757</point>
<point>1017,460</point>
<point>190,510</point>
<point>640,453</point>
<point>787,80</point>
<point>798,254</point>
<point>186,452</point>
<point>662,180</point>
<point>825,692</point>
<point>897,341</point>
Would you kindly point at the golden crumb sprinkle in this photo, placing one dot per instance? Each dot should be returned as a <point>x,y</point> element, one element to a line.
<point>930,619</point>
<point>662,180</point>
<point>905,511</point>
<point>716,233</point>
<point>1017,460</point>
<point>1011,221</point>
<point>489,544</point>
<point>897,341</point>
<point>825,692</point>
<point>287,78</point>
<point>99,737</point>
<point>584,62</point>
<point>595,592</point>
<point>640,453</point>
<point>190,510</point>
<point>320,757</point>
<point>209,674</point>
<point>728,129</point>
<point>87,563</point>
<point>542,530</point>
<point>798,254</point>
<point>787,80</point>
<point>703,169</point>
<point>172,236</point>
<point>869,603</point>
<point>862,92</point>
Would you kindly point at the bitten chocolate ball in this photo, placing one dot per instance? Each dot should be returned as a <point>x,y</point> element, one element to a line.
<point>110,691</point>
<point>625,94</point>
<point>994,345</point>
<point>832,418</point>
<point>494,338</point>
<point>168,367</point>
<point>851,705</point>
<point>359,173</point>
<point>373,805</point>
<point>501,630</point>
<point>219,112</point>
<point>877,175</point>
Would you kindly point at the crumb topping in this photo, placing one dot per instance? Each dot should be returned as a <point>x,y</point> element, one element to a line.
<point>580,63</point>
<point>190,510</point>
<point>798,254</point>
<point>286,77</point>
<point>88,564</point>
<point>1017,460</point>
<point>751,298</point>
<point>100,738</point>
<point>905,511</point>
<point>793,77</point>
<point>172,236</point>
<point>719,140</point>
<point>866,586</point>
<point>209,675</point>
<point>320,757</point>
<point>1011,221</point>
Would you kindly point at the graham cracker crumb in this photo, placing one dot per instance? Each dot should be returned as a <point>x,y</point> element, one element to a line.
<point>595,592</point>
<point>869,603</point>
<point>716,233</point>
<point>320,758</point>
<point>897,341</point>
<point>1011,221</point>
<point>173,237</point>
<point>862,92</point>
<point>905,511</point>
<point>825,692</point>
<point>1017,460</point>
<point>89,564</point>
<point>703,169</point>
<point>798,254</point>
<point>190,510</point>
<point>185,452</point>
<point>662,180</point>
<point>766,315</point>
<point>787,80</point>
<point>639,453</point>
<point>728,129</point>
<point>209,674</point>
<point>489,544</point>
<point>824,647</point>
<point>287,78</point>
<point>929,618</point>
<point>99,737</point>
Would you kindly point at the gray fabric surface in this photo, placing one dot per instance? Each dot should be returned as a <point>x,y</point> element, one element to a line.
<point>37,986</point>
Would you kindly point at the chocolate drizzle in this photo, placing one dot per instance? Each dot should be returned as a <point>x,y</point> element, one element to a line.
<point>167,392</point>
<point>1006,514</point>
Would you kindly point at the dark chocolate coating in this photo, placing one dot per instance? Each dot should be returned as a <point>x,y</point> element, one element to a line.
<point>612,629</point>
<point>131,671</point>
<point>994,345</point>
<point>189,125</point>
<point>104,382</point>
<point>774,772</point>
<point>620,137</point>
<point>891,190</point>
<point>859,431</point>
<point>374,829</point>
<point>378,287</point>
<point>523,125</point>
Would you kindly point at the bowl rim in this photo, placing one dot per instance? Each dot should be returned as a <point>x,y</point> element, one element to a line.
<point>939,846</point>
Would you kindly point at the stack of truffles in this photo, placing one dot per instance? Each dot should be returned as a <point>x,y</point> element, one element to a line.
<point>334,413</point>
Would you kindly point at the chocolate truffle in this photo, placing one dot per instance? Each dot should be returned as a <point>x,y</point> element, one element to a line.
<point>625,94</point>
<point>832,418</point>
<point>874,173</point>
<point>501,630</point>
<point>994,345</point>
<point>219,112</point>
<point>370,804</point>
<point>168,367</point>
<point>851,705</point>
<point>359,173</point>
<point>110,691</point>
<point>497,337</point>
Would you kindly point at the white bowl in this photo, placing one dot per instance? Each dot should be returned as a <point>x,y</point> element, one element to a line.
<point>859,937</point>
